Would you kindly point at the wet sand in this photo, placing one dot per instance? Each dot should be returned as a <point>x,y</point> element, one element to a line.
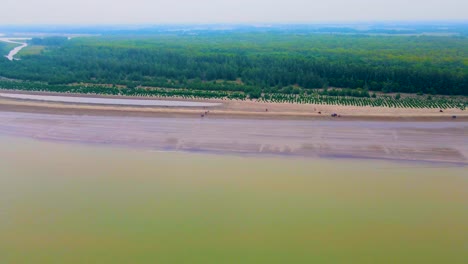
<point>409,141</point>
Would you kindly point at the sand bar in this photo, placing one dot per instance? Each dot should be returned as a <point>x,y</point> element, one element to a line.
<point>416,141</point>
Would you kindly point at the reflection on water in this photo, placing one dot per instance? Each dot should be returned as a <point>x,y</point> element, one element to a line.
<point>64,203</point>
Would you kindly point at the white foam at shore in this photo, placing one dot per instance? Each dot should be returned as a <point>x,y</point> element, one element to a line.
<point>106,101</point>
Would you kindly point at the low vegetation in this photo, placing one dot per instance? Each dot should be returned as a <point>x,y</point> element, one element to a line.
<point>324,97</point>
<point>31,50</point>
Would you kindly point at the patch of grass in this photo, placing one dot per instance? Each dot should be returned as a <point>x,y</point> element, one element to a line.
<point>407,101</point>
<point>31,50</point>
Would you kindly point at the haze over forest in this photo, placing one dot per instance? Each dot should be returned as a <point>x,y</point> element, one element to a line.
<point>227,11</point>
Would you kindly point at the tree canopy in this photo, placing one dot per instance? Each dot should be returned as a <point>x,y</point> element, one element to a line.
<point>255,62</point>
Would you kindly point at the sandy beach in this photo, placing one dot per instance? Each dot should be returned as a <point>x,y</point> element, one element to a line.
<point>227,109</point>
<point>407,141</point>
<point>246,127</point>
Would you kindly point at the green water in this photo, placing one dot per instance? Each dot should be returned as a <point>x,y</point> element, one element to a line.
<point>63,203</point>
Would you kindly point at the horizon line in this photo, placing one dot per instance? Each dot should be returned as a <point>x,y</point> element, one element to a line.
<point>331,22</point>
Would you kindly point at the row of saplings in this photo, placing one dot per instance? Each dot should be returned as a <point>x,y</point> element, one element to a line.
<point>409,102</point>
<point>383,101</point>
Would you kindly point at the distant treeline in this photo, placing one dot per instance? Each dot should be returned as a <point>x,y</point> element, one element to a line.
<point>49,41</point>
<point>253,63</point>
<point>399,28</point>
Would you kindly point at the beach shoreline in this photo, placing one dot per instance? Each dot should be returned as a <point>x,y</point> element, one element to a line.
<point>226,109</point>
<point>441,142</point>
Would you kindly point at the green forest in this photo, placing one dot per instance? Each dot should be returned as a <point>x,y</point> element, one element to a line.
<point>251,63</point>
<point>5,49</point>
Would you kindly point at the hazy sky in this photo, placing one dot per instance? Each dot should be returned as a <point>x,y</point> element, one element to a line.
<point>229,11</point>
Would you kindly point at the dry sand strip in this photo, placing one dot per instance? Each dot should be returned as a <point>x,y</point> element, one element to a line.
<point>106,101</point>
<point>222,108</point>
<point>408,141</point>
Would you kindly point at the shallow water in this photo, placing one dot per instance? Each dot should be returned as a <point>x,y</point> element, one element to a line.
<point>67,203</point>
<point>106,101</point>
